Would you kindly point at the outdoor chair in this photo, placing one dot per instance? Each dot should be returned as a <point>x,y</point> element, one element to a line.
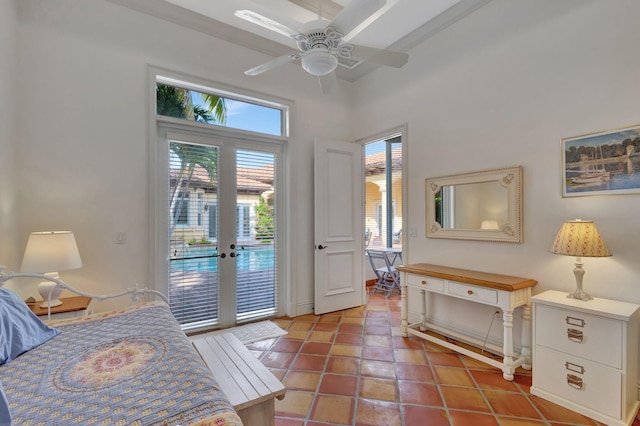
<point>367,237</point>
<point>388,276</point>
<point>396,236</point>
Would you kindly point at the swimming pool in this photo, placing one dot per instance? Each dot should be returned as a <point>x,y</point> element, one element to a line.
<point>250,258</point>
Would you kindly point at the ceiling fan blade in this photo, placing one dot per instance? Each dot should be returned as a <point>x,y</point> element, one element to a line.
<point>267,23</point>
<point>354,14</point>
<point>328,82</point>
<point>281,60</point>
<point>390,58</point>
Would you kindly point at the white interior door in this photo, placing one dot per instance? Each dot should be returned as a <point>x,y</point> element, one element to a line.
<point>339,225</point>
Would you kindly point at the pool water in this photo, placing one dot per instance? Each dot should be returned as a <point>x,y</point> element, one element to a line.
<point>252,258</point>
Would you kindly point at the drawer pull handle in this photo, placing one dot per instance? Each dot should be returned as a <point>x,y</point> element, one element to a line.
<point>574,367</point>
<point>424,282</point>
<point>575,335</point>
<point>575,321</point>
<point>469,292</point>
<point>574,381</point>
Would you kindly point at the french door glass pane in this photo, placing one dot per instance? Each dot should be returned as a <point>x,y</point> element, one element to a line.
<point>257,274</point>
<point>193,227</point>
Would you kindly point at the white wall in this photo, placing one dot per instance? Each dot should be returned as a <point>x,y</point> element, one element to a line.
<point>8,142</point>
<point>501,88</point>
<point>83,138</point>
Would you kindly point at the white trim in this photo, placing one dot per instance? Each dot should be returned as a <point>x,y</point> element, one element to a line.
<point>303,308</point>
<point>225,90</point>
<point>402,131</point>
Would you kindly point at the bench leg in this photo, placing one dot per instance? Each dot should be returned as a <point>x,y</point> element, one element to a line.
<point>261,414</point>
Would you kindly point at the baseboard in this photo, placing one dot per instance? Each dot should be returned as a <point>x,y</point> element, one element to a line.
<point>304,308</point>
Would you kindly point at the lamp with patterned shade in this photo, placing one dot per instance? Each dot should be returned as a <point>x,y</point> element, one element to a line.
<point>579,238</point>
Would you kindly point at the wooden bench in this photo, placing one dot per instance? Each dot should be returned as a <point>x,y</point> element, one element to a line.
<point>249,385</point>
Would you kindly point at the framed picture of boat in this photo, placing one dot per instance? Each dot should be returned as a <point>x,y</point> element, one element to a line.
<point>603,163</point>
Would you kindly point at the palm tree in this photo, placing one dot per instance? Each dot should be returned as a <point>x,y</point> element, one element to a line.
<point>177,102</point>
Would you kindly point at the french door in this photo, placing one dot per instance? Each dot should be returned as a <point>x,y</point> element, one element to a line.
<point>222,229</point>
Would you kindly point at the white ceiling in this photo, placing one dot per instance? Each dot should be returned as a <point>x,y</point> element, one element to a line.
<point>399,25</point>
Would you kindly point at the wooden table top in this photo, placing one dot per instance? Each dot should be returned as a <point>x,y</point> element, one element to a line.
<point>467,276</point>
<point>69,304</point>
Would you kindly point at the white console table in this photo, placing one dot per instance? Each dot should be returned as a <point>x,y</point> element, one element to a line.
<point>501,291</point>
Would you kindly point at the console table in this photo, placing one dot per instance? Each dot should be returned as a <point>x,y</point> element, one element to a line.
<point>501,291</point>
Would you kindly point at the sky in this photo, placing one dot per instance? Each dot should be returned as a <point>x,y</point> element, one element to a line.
<point>246,116</point>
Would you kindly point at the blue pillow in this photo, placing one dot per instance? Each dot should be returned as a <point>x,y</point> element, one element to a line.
<point>5,414</point>
<point>21,329</point>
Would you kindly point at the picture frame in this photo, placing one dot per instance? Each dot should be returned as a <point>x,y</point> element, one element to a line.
<point>601,163</point>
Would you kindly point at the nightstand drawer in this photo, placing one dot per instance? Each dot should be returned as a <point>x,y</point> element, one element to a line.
<point>418,281</point>
<point>478,294</point>
<point>587,336</point>
<point>578,380</point>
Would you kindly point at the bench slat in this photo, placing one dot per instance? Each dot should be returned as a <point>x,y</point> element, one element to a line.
<point>257,368</point>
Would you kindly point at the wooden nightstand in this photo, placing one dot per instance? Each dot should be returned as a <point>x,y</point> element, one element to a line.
<point>71,307</point>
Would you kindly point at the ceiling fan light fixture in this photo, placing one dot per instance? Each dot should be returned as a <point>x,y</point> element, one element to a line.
<point>319,62</point>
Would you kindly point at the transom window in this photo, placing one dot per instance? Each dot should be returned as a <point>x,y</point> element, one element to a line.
<point>218,109</point>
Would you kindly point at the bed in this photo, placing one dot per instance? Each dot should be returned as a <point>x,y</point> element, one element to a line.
<point>133,366</point>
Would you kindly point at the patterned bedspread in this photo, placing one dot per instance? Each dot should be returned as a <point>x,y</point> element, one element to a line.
<point>129,367</point>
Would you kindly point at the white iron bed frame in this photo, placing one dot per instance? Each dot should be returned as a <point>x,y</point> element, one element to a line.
<point>134,291</point>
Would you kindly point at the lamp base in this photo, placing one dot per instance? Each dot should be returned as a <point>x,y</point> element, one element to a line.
<point>46,288</point>
<point>580,294</point>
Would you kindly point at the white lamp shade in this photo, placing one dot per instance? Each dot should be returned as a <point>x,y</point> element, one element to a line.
<point>490,225</point>
<point>319,62</point>
<point>579,238</point>
<point>51,251</point>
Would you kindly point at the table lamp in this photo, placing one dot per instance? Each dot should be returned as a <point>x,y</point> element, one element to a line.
<point>48,253</point>
<point>579,238</point>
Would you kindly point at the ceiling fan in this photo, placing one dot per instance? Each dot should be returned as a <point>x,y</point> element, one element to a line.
<point>321,45</point>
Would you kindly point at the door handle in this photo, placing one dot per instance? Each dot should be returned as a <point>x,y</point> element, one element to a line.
<point>321,247</point>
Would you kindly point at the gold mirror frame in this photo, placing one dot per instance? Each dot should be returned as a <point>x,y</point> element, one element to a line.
<point>509,232</point>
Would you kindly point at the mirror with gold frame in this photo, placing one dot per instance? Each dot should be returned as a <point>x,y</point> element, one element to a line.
<point>484,206</point>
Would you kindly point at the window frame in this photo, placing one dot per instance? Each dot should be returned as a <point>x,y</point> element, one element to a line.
<point>156,261</point>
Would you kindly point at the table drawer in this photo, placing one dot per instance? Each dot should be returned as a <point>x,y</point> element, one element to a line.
<point>578,380</point>
<point>427,283</point>
<point>584,335</point>
<point>475,293</point>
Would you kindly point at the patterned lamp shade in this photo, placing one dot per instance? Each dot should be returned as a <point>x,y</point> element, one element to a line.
<point>579,238</point>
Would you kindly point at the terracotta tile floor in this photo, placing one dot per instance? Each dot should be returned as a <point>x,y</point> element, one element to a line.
<point>353,368</point>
